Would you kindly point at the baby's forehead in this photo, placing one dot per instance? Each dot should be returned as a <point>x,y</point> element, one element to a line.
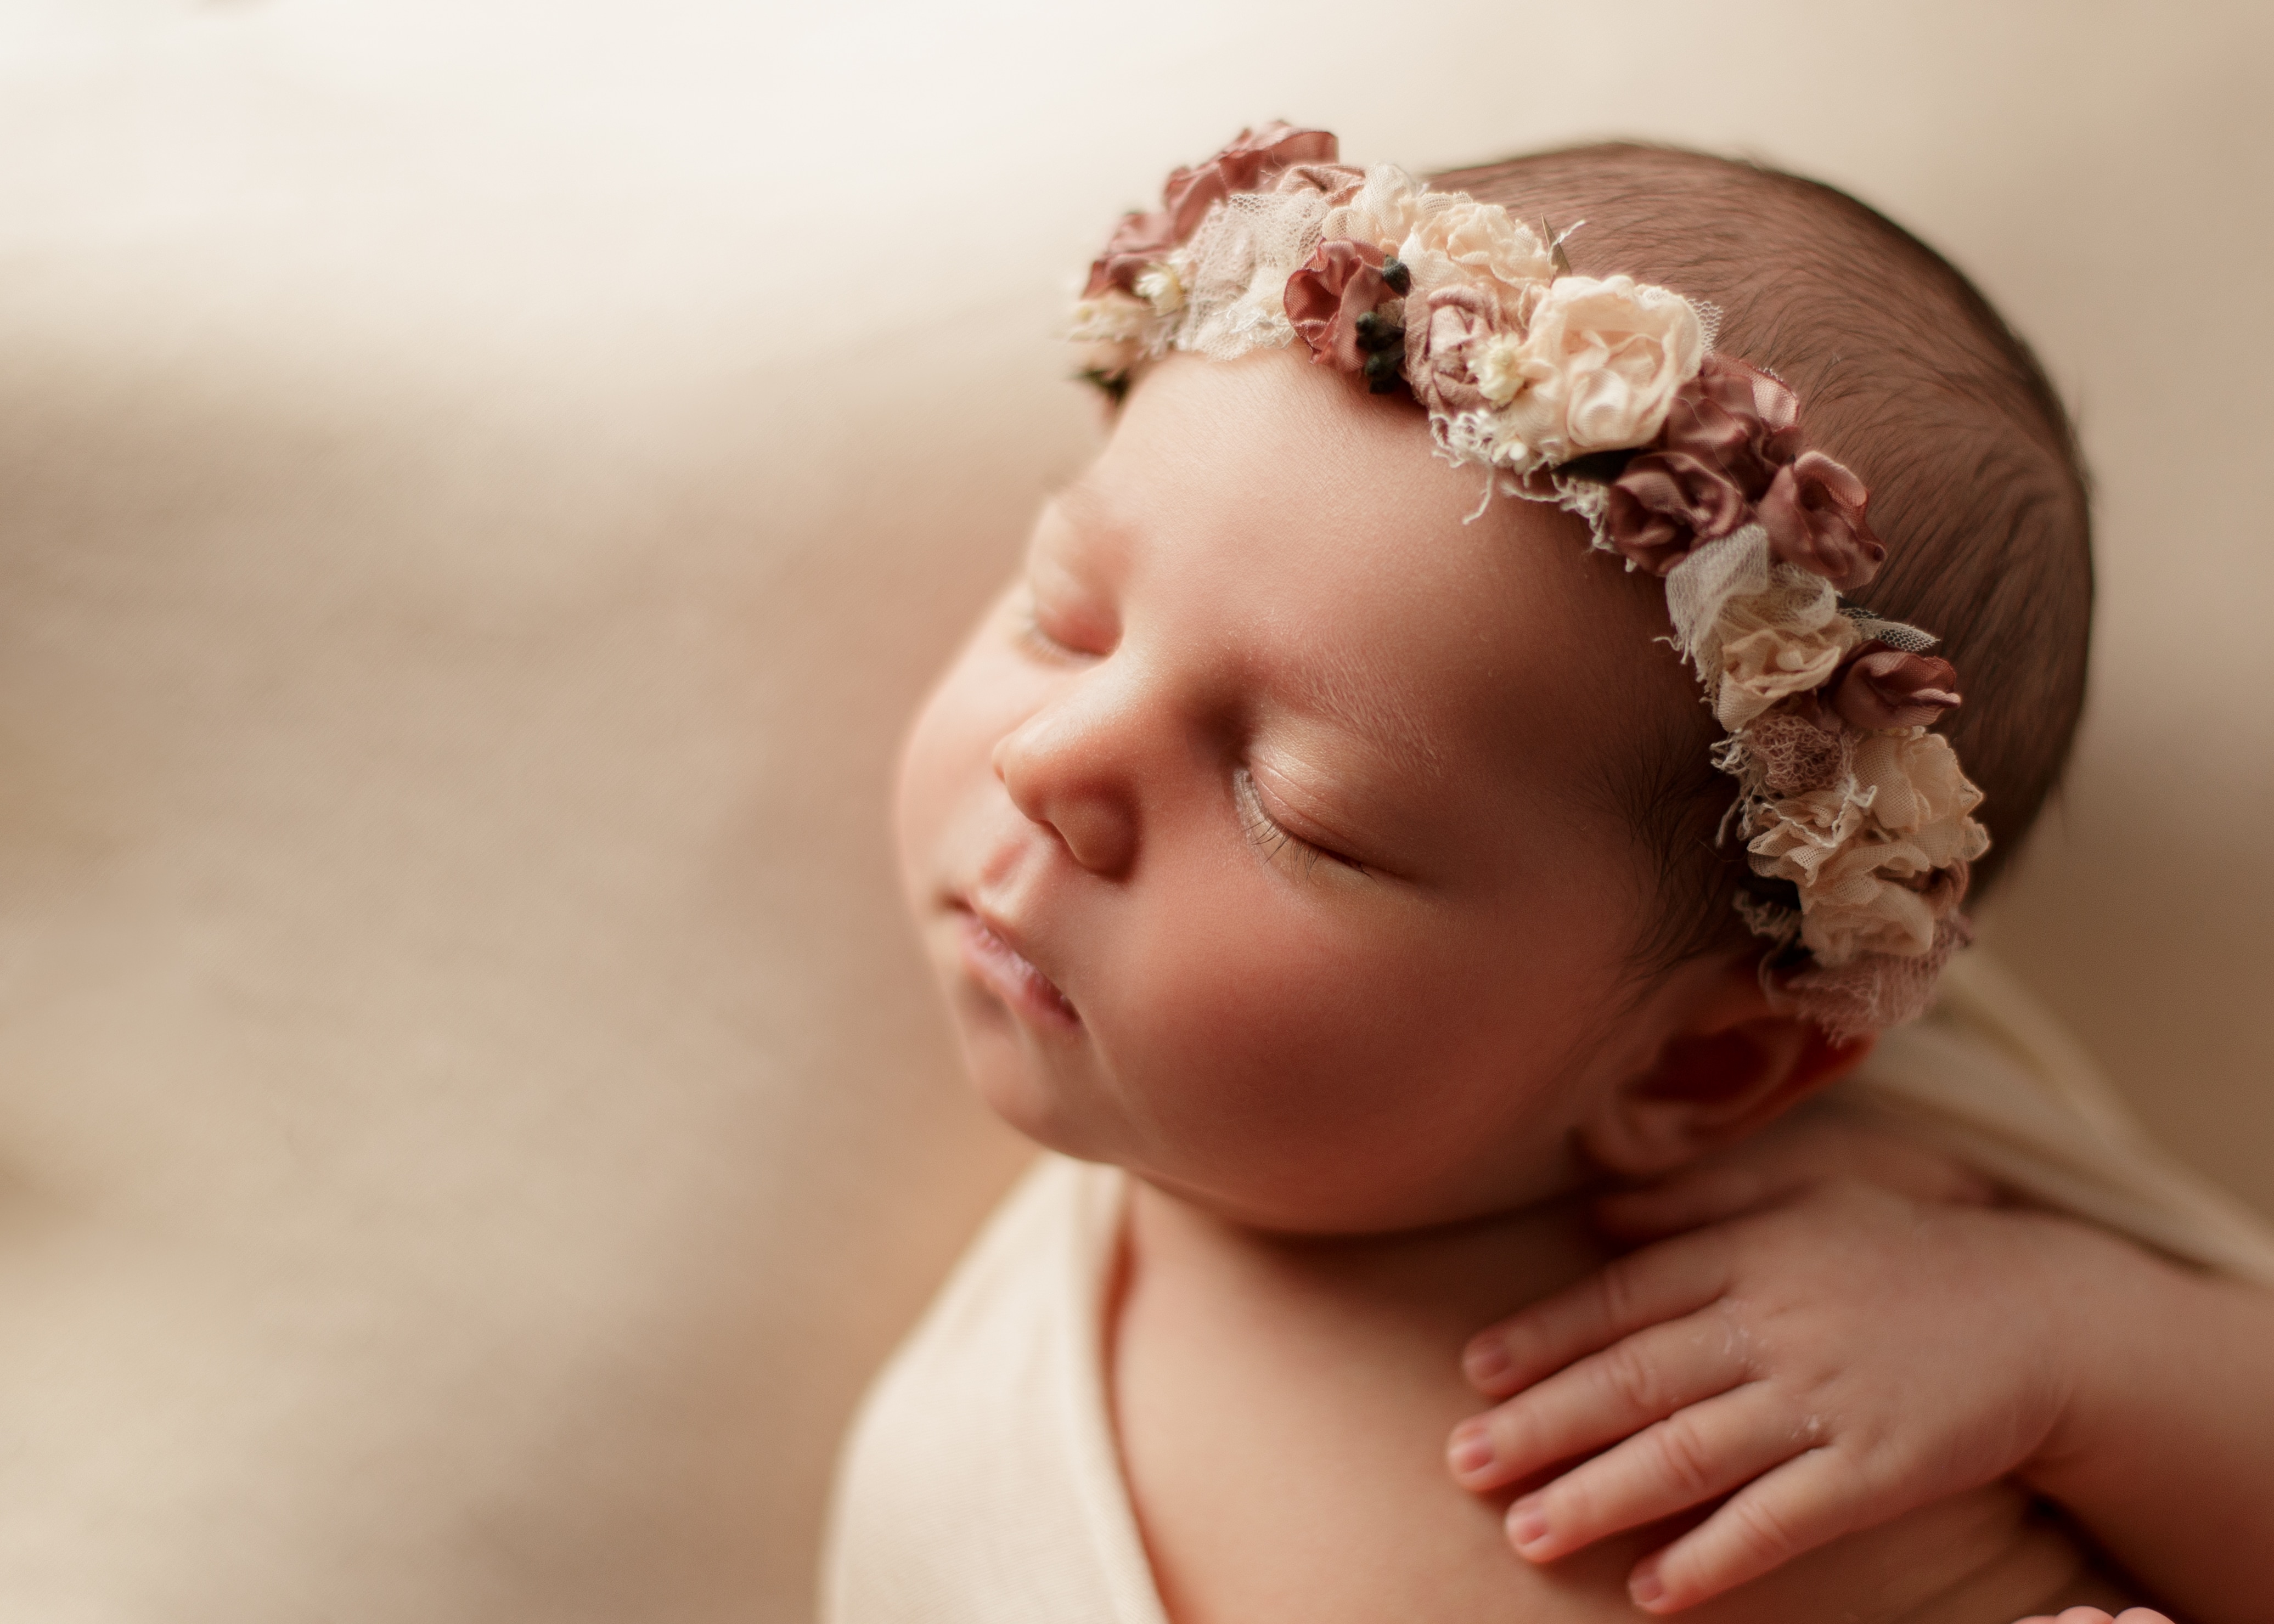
<point>1278,528</point>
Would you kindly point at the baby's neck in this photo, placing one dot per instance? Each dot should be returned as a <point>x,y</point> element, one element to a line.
<point>1439,1284</point>
<point>1269,1389</point>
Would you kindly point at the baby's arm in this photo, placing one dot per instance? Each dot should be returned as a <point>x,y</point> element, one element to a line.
<point>1852,1335</point>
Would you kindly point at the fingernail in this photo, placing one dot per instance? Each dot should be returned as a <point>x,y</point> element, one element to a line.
<point>1527,1523</point>
<point>1485,1362</point>
<point>1472,1449</point>
<point>1645,1587</point>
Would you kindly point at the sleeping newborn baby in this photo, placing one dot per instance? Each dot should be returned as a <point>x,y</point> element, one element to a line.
<point>1328,859</point>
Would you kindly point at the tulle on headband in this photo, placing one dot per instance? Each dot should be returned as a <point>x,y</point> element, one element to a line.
<point>1605,395</point>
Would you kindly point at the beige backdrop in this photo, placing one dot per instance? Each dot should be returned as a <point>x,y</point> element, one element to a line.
<point>481,485</point>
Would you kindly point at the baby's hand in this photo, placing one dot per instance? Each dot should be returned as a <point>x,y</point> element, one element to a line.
<point>1827,1362</point>
<point>2094,1616</point>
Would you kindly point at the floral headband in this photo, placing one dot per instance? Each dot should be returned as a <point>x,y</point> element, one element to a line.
<point>1605,396</point>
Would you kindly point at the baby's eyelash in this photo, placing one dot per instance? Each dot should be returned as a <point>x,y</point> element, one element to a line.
<point>1267,835</point>
<point>1272,838</point>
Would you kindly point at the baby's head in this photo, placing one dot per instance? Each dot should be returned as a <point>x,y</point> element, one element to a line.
<point>1341,863</point>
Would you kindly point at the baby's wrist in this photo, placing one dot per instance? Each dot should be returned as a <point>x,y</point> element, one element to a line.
<point>2099,1294</point>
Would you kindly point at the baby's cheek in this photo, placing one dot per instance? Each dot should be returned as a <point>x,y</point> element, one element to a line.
<point>1364,1066</point>
<point>1275,1056</point>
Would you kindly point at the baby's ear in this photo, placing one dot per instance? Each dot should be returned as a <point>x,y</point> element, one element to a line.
<point>1731,1067</point>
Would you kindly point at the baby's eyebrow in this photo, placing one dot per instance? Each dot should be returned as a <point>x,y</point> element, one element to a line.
<point>1347,693</point>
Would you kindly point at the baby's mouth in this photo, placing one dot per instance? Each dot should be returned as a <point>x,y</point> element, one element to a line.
<point>1008,973</point>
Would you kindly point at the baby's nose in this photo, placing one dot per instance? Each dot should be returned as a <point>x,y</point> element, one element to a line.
<point>1061,774</point>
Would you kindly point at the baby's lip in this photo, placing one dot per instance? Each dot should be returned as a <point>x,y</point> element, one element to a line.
<point>991,955</point>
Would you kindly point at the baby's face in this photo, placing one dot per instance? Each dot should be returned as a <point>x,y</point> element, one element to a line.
<point>1260,834</point>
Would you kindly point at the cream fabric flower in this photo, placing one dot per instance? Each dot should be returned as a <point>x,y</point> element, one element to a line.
<point>1110,333</point>
<point>1161,287</point>
<point>1382,212</point>
<point>1112,318</point>
<point>1453,237</point>
<point>1760,668</point>
<point>1873,857</point>
<point>1851,877</point>
<point>1596,370</point>
<point>1860,910</point>
<point>1792,603</point>
<point>1916,789</point>
<point>1805,832</point>
<point>1445,239</point>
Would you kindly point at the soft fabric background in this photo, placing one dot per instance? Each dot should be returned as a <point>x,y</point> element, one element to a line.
<point>482,483</point>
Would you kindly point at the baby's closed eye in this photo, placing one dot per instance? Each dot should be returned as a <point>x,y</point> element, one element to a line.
<point>1279,831</point>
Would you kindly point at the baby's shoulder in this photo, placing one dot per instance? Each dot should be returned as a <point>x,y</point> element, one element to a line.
<point>1282,1412</point>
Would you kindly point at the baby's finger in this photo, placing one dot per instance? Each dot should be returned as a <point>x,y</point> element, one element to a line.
<point>1603,1398</point>
<point>1648,1288</point>
<point>2094,1616</point>
<point>1694,1455</point>
<point>1808,1502</point>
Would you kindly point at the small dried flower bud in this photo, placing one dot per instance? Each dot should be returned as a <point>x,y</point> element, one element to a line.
<point>1376,331</point>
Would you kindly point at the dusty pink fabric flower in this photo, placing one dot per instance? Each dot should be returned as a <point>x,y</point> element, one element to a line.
<point>1255,157</point>
<point>1731,451</point>
<point>1668,503</point>
<point>1813,512</point>
<point>1743,419</point>
<point>1441,342</point>
<point>1717,455</point>
<point>1879,688</point>
<point>1337,182</point>
<point>1341,282</point>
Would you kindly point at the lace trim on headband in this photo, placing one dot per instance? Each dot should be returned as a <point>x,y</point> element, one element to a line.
<point>1605,396</point>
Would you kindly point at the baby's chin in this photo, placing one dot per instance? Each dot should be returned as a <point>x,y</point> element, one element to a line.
<point>1062,1116</point>
<point>1013,1081</point>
